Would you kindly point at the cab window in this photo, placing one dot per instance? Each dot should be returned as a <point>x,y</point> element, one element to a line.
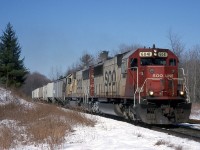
<point>146,61</point>
<point>172,62</point>
<point>153,61</point>
<point>69,80</point>
<point>134,62</point>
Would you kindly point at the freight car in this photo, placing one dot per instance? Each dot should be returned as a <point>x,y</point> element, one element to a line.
<point>52,92</point>
<point>145,84</point>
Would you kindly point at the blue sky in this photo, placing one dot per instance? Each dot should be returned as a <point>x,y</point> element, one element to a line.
<point>55,33</point>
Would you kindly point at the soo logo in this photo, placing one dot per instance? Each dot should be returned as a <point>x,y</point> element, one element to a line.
<point>157,75</point>
<point>110,78</point>
<point>161,75</point>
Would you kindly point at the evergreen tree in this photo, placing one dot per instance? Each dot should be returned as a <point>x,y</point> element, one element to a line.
<point>12,69</point>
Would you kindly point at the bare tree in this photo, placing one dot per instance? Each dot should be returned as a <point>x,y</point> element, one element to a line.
<point>56,73</point>
<point>86,59</point>
<point>191,62</point>
<point>125,48</point>
<point>73,68</point>
<point>176,44</point>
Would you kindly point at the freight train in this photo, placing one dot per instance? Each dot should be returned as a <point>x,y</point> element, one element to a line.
<point>142,85</point>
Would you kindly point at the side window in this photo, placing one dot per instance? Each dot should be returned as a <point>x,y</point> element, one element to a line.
<point>124,66</point>
<point>134,62</point>
<point>85,74</point>
<point>69,80</point>
<point>172,62</point>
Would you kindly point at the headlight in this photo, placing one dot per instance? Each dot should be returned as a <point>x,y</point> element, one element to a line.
<point>151,71</point>
<point>181,93</point>
<point>151,93</point>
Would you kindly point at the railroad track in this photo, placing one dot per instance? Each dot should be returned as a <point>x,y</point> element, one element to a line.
<point>180,131</point>
<point>193,121</point>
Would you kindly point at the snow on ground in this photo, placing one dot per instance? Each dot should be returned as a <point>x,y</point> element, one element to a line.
<point>110,134</point>
<point>7,97</point>
<point>195,114</point>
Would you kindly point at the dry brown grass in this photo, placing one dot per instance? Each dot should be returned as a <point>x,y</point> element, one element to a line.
<point>43,124</point>
<point>6,139</point>
<point>168,144</point>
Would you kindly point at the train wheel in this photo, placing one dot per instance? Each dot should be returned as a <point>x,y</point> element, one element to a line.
<point>131,113</point>
<point>118,109</point>
<point>95,107</point>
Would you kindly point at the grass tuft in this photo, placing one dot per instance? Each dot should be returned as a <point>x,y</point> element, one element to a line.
<point>162,142</point>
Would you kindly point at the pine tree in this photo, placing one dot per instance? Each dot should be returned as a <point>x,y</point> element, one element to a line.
<point>12,69</point>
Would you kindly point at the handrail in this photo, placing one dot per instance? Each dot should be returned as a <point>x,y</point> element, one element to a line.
<point>86,94</point>
<point>183,71</point>
<point>144,84</point>
<point>186,89</point>
<point>137,82</point>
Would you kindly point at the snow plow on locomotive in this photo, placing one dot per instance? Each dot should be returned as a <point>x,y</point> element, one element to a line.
<point>145,84</point>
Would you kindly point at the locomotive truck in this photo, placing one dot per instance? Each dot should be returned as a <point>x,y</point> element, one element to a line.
<point>144,84</point>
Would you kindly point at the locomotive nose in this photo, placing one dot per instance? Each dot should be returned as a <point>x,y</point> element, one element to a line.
<point>160,81</point>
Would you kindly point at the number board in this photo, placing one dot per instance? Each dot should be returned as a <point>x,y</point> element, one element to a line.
<point>145,54</point>
<point>162,54</point>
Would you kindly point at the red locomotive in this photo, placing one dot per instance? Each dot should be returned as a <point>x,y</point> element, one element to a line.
<point>159,87</point>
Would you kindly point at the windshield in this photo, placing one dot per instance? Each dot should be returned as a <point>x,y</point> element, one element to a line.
<point>152,61</point>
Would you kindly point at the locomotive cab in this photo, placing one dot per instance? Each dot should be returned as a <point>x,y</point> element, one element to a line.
<point>160,93</point>
<point>159,77</point>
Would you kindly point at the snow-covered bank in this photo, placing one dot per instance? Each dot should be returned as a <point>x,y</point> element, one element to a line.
<point>7,97</point>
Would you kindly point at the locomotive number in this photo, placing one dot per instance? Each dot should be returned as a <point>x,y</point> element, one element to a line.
<point>162,54</point>
<point>110,78</point>
<point>145,54</point>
